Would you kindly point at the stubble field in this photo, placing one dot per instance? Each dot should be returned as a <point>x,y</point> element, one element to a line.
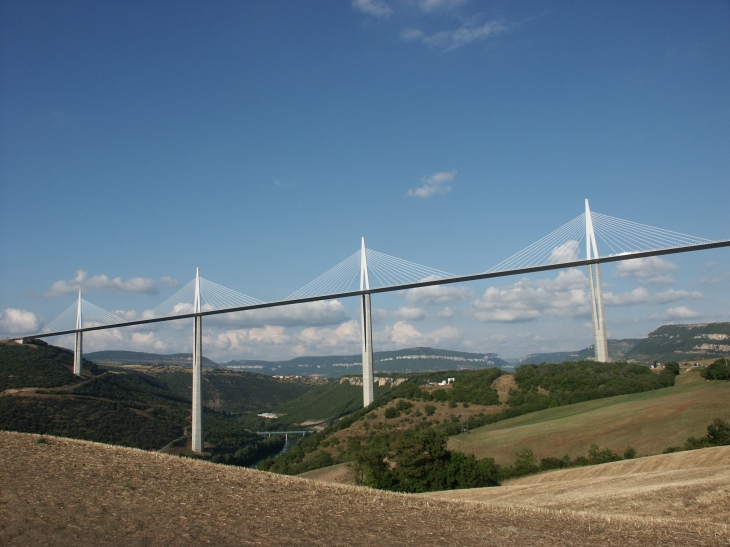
<point>66,492</point>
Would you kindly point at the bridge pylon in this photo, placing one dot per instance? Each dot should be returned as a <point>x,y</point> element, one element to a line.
<point>198,444</point>
<point>367,331</point>
<point>600,343</point>
<point>79,343</point>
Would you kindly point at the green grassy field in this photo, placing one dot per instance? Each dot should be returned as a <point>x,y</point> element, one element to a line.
<point>649,422</point>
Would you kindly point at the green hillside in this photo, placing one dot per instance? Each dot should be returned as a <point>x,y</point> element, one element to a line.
<point>331,400</point>
<point>683,342</point>
<point>649,421</point>
<point>124,407</point>
<point>234,392</point>
<point>473,398</point>
<point>38,365</point>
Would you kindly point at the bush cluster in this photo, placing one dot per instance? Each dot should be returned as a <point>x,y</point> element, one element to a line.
<point>418,461</point>
<point>719,370</point>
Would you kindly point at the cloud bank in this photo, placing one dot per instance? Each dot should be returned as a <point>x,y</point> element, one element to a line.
<point>13,321</point>
<point>82,282</point>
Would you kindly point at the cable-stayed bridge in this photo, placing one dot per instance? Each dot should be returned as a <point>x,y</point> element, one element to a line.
<point>368,272</point>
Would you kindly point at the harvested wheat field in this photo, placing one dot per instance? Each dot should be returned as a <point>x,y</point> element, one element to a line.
<point>691,487</point>
<point>65,492</point>
<point>339,473</point>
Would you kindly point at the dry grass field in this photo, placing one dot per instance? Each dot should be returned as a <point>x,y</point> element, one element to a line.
<point>339,474</point>
<point>649,422</point>
<point>65,492</point>
<point>691,486</point>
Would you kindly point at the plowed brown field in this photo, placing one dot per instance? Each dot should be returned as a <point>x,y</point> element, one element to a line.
<point>65,492</point>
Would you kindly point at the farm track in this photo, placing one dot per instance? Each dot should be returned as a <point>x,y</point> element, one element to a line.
<point>67,492</point>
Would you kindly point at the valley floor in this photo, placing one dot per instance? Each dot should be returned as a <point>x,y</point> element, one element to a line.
<point>66,492</point>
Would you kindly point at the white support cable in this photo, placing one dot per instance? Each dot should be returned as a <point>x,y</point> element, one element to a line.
<point>333,278</point>
<point>180,303</point>
<point>217,297</point>
<point>387,271</point>
<point>66,320</point>
<point>539,252</point>
<point>649,231</point>
<point>627,236</point>
<point>93,316</point>
<point>619,236</point>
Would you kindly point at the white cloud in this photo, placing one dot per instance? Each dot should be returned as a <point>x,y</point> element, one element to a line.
<point>237,339</point>
<point>437,294</point>
<point>149,341</point>
<point>470,31</point>
<point>377,8</point>
<point>167,280</point>
<point>408,312</point>
<point>446,313</point>
<point>127,315</point>
<point>343,337</point>
<point>404,312</point>
<point>430,6</point>
<point>714,280</point>
<point>660,280</point>
<point>405,334</point>
<point>638,296</point>
<point>129,340</point>
<point>671,295</point>
<point>567,252</point>
<point>641,296</point>
<point>652,269</point>
<point>438,183</point>
<point>323,312</point>
<point>672,314</point>
<point>526,300</point>
<point>14,321</point>
<point>103,283</point>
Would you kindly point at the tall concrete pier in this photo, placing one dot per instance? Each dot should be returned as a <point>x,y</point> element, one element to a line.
<point>198,444</point>
<point>600,343</point>
<point>367,331</point>
<point>79,344</point>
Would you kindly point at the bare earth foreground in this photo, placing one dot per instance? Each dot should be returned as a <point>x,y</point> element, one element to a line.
<point>66,492</point>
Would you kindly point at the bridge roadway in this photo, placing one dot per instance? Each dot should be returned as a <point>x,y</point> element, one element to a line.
<point>390,288</point>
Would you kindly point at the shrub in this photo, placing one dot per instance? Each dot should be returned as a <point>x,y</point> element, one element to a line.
<point>391,412</point>
<point>719,370</point>
<point>693,443</point>
<point>524,462</point>
<point>629,453</point>
<point>429,410</point>
<point>547,464</point>
<point>596,455</point>
<point>403,405</point>
<point>718,433</point>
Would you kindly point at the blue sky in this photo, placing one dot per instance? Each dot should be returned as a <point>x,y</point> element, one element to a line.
<point>260,141</point>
